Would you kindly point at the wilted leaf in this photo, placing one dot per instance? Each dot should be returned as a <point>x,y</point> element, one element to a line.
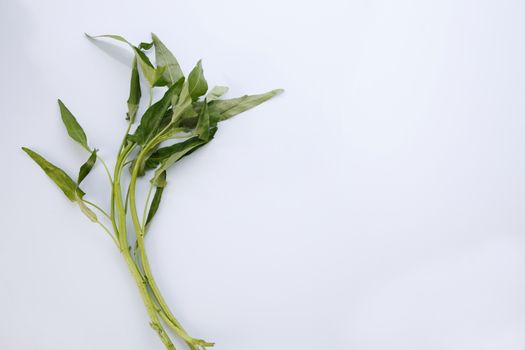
<point>85,169</point>
<point>59,177</point>
<point>164,57</point>
<point>73,128</point>
<point>197,85</point>
<point>225,109</point>
<point>134,92</point>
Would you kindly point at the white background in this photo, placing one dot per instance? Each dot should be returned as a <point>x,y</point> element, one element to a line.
<point>377,204</point>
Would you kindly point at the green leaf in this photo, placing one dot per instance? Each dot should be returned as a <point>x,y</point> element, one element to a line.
<point>149,124</point>
<point>85,169</point>
<point>197,85</point>
<point>59,177</point>
<point>155,202</point>
<point>164,57</point>
<point>203,125</point>
<point>134,92</point>
<point>73,127</point>
<point>216,93</point>
<point>225,109</point>
<point>167,156</point>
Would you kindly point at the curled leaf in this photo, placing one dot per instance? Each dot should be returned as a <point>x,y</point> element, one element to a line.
<point>85,169</point>
<point>134,92</point>
<point>197,85</point>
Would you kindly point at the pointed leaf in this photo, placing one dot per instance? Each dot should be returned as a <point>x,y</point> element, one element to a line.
<point>134,92</point>
<point>225,109</point>
<point>85,169</point>
<point>197,85</point>
<point>73,128</point>
<point>59,177</point>
<point>181,103</point>
<point>164,57</point>
<point>216,92</point>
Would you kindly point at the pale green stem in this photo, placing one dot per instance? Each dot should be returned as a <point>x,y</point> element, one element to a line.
<point>174,324</point>
<point>141,283</point>
<point>108,232</point>
<point>97,207</point>
<point>105,168</point>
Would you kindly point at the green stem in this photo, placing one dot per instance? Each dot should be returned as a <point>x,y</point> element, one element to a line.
<point>173,322</point>
<point>123,243</point>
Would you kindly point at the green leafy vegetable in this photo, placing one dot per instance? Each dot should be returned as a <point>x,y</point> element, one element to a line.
<point>183,120</point>
<point>72,126</point>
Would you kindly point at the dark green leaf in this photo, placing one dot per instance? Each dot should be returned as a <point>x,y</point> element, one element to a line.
<point>85,169</point>
<point>197,85</point>
<point>154,206</point>
<point>134,92</point>
<point>59,177</point>
<point>225,109</point>
<point>203,125</point>
<point>73,128</point>
<point>149,124</point>
<point>216,93</point>
<point>164,57</point>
